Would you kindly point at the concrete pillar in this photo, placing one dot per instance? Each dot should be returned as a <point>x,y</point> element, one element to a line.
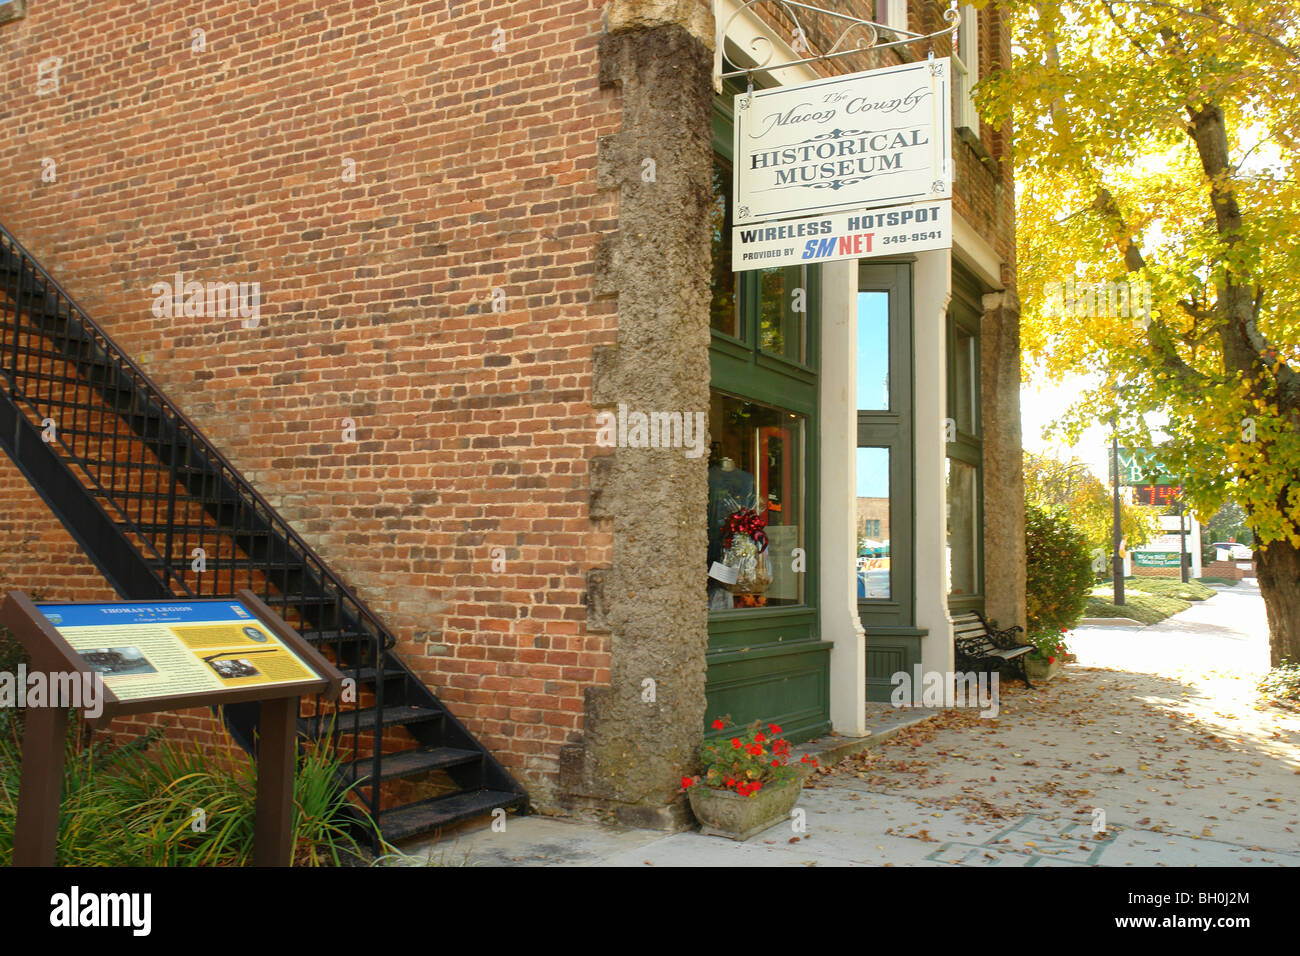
<point>838,599</point>
<point>932,285</point>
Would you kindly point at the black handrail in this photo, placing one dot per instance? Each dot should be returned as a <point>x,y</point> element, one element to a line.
<point>183,441</point>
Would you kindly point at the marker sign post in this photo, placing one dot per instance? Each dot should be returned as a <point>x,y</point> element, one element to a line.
<point>152,656</point>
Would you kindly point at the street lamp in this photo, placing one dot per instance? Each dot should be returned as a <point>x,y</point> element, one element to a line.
<point>1117,562</point>
<point>1179,509</point>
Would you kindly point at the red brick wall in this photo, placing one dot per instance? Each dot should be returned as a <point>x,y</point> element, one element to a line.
<point>474,171</point>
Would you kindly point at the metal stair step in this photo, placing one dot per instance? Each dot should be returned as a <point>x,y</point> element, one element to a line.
<point>408,763</point>
<point>402,822</point>
<point>193,531</point>
<point>364,720</point>
<point>125,466</point>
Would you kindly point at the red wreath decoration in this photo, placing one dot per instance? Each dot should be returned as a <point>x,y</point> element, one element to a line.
<point>748,522</point>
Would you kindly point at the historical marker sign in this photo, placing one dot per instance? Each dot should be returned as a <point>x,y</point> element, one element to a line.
<point>165,655</point>
<point>168,649</point>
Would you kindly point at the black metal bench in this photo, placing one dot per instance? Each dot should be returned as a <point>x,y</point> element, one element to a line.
<point>983,648</point>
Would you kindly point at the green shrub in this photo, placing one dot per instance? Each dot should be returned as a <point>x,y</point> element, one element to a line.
<point>1049,645</point>
<point>1058,573</point>
<point>134,804</point>
<point>1282,683</point>
<point>11,652</point>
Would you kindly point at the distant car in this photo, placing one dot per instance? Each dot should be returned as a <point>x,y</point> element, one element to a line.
<point>873,583</point>
<point>1236,550</point>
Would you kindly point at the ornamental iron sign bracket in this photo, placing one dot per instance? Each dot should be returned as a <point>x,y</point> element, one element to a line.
<point>866,36</point>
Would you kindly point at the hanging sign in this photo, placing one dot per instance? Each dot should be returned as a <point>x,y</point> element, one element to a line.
<point>843,235</point>
<point>1138,467</point>
<point>866,140</point>
<point>1156,559</point>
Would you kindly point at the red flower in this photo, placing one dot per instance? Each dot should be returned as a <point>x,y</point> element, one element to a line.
<point>731,781</point>
<point>718,724</point>
<point>754,749</point>
<point>759,737</point>
<point>774,728</point>
<point>735,742</point>
<point>686,783</point>
<point>1051,660</point>
<point>776,763</point>
<point>755,787</point>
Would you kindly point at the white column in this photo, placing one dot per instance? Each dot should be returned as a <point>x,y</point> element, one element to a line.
<point>839,440</point>
<point>932,288</point>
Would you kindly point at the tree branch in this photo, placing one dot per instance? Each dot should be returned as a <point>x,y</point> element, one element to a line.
<point>1289,51</point>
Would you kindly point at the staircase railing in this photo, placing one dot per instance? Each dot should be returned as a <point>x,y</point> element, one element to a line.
<point>186,458</point>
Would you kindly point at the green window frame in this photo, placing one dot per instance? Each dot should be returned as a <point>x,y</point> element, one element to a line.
<point>767,662</point>
<point>964,410</point>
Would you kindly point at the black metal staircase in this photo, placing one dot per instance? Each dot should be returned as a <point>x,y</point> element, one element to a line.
<point>163,514</point>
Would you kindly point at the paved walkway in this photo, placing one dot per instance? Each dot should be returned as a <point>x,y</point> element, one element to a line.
<point>1150,751</point>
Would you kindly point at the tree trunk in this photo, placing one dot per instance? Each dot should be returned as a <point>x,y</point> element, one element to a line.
<point>1278,567</point>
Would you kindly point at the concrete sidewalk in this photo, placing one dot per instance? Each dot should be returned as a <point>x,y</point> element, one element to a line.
<point>1151,751</point>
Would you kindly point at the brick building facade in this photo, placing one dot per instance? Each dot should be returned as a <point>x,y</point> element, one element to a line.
<point>459,263</point>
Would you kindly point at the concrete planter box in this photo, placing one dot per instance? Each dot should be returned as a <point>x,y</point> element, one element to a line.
<point>1039,669</point>
<point>728,814</point>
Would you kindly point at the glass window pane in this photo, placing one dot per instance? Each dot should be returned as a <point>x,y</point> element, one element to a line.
<point>964,361</point>
<point>873,351</point>
<point>963,529</point>
<point>722,309</point>
<point>783,303</point>
<point>873,523</point>
<point>756,482</point>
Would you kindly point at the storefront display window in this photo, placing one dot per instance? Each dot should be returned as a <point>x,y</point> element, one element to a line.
<point>723,316</point>
<point>756,508</point>
<point>965,559</point>
<point>873,351</point>
<point>783,303</point>
<point>873,525</point>
<point>963,529</point>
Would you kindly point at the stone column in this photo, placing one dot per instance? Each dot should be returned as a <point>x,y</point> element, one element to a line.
<point>1004,475</point>
<point>642,730</point>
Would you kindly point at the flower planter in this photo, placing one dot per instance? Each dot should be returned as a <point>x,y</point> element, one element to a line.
<point>1040,669</point>
<point>728,814</point>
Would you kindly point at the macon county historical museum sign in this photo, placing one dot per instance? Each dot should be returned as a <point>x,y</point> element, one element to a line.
<point>829,156</point>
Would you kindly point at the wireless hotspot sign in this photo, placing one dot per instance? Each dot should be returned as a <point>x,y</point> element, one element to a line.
<point>828,157</point>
